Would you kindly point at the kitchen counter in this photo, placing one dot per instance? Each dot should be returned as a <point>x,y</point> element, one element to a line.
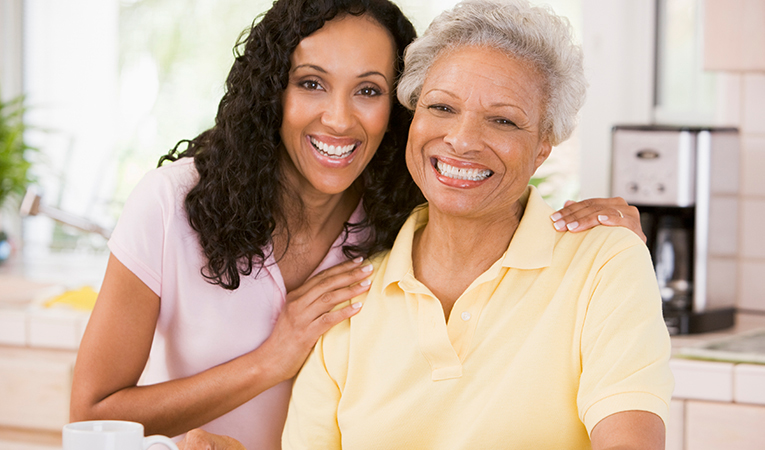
<point>717,404</point>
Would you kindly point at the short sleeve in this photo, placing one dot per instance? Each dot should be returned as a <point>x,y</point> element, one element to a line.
<point>312,417</point>
<point>625,345</point>
<point>138,239</point>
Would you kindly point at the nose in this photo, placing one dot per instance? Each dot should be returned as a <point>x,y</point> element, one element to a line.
<point>339,114</point>
<point>464,133</point>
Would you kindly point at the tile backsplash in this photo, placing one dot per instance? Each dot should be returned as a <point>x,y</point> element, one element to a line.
<point>746,109</point>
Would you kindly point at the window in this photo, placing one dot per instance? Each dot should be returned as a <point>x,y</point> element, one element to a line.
<point>114,84</point>
<point>685,93</point>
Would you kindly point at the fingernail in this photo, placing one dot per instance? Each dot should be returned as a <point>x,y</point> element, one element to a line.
<point>367,268</point>
<point>560,225</point>
<point>602,218</point>
<point>572,226</point>
<point>366,282</point>
<point>356,305</point>
<point>556,217</point>
<point>358,260</point>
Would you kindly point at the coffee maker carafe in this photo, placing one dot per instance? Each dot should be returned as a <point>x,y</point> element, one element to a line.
<point>684,181</point>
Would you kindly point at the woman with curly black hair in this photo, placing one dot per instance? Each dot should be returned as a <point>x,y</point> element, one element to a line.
<point>229,262</point>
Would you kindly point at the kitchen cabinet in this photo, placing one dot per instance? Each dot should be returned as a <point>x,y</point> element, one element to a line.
<point>717,404</point>
<point>38,348</point>
<point>35,386</point>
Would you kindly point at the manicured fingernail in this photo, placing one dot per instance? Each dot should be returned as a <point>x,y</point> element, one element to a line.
<point>602,218</point>
<point>358,260</point>
<point>366,282</point>
<point>560,225</point>
<point>356,305</point>
<point>556,217</point>
<point>367,268</point>
<point>572,226</point>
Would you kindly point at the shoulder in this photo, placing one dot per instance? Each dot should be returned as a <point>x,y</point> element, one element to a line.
<point>168,183</point>
<point>602,242</point>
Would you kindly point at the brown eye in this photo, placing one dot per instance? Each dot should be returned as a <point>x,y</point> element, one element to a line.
<point>440,108</point>
<point>369,91</point>
<point>311,85</point>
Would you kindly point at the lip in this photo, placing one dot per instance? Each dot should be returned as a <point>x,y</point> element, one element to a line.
<point>453,182</point>
<point>329,161</point>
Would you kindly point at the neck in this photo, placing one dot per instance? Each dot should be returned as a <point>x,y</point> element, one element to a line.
<point>306,216</point>
<point>449,253</point>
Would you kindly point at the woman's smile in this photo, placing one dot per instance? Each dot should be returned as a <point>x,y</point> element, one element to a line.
<point>333,151</point>
<point>337,103</point>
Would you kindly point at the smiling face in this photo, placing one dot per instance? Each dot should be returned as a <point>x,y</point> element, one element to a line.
<point>474,142</point>
<point>337,103</point>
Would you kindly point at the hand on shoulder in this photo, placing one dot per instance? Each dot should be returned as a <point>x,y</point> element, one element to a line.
<point>585,214</point>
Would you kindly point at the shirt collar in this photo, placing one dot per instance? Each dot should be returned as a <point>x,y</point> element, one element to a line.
<point>531,246</point>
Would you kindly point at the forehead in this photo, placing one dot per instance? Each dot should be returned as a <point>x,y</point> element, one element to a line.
<point>348,38</point>
<point>487,72</point>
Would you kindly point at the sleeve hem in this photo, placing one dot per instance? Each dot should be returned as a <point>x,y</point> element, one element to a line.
<point>147,276</point>
<point>629,401</point>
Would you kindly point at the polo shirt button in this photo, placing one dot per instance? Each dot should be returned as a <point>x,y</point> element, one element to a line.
<point>465,316</point>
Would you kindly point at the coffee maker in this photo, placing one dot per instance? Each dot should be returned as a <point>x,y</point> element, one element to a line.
<point>684,181</point>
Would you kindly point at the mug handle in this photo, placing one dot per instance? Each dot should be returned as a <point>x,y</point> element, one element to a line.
<point>148,441</point>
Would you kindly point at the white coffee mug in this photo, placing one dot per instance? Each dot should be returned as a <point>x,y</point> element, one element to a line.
<point>110,435</point>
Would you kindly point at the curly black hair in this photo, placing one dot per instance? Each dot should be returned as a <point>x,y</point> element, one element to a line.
<point>235,206</point>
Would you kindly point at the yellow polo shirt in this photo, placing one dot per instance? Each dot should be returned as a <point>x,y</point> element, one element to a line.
<point>562,331</point>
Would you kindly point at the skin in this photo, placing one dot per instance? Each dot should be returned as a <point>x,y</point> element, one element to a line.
<point>472,116</point>
<point>481,109</point>
<point>339,94</point>
<point>116,344</point>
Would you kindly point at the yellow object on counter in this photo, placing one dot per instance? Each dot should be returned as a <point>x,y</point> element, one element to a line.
<point>83,299</point>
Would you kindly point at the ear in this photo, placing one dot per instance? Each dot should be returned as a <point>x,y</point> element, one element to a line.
<point>543,153</point>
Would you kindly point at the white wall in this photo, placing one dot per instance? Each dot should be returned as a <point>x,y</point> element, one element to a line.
<point>10,48</point>
<point>618,43</point>
<point>70,75</point>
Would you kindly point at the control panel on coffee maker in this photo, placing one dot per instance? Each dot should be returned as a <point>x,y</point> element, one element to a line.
<point>684,180</point>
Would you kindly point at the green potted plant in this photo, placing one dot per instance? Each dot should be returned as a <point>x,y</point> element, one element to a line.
<point>14,162</point>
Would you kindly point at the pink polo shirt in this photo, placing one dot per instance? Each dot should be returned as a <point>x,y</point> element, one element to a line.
<point>201,325</point>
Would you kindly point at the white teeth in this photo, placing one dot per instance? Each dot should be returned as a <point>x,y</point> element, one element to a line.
<point>462,174</point>
<point>333,151</point>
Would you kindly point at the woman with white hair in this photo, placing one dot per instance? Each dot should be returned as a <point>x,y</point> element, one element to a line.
<point>478,335</point>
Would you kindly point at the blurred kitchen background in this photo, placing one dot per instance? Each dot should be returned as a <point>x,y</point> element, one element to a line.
<point>111,85</point>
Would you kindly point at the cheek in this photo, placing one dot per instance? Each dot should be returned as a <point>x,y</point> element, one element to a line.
<point>376,119</point>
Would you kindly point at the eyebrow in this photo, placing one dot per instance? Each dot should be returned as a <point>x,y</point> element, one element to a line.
<point>321,69</point>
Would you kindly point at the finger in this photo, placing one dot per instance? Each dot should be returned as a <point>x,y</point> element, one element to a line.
<point>344,273</point>
<point>329,299</point>
<point>337,284</point>
<point>627,221</point>
<point>332,318</point>
<point>583,214</point>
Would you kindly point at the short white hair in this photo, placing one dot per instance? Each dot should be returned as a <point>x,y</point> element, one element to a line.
<point>529,33</point>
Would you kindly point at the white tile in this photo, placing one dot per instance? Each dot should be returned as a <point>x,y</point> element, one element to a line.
<point>752,285</point>
<point>675,427</point>
<point>753,219</point>
<point>749,384</point>
<point>753,165</point>
<point>723,426</point>
<point>728,112</point>
<point>55,328</point>
<point>702,380</point>
<point>753,120</point>
<point>13,326</point>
